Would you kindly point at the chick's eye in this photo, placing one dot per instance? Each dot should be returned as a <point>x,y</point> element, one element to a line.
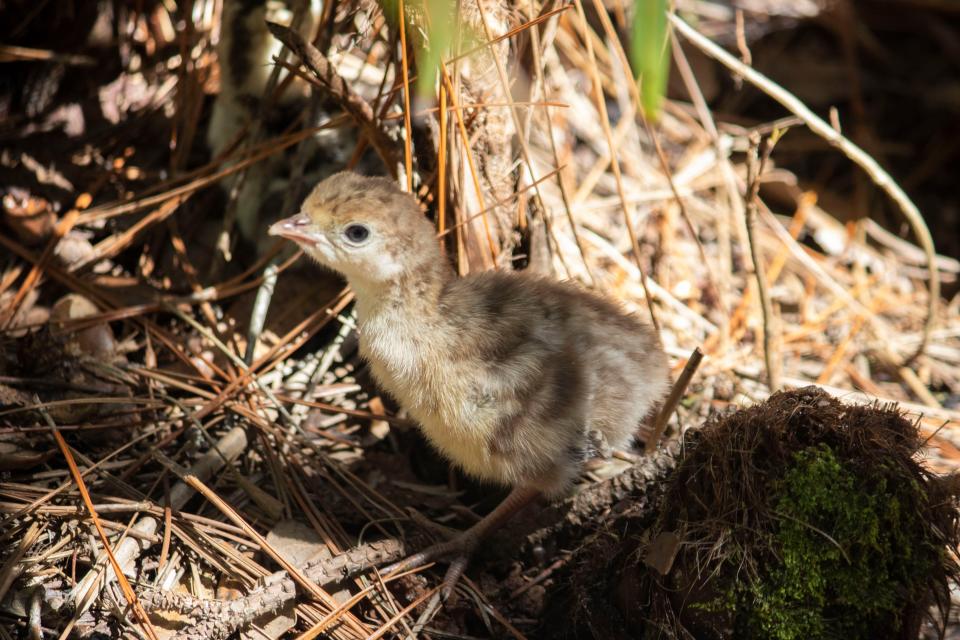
<point>356,233</point>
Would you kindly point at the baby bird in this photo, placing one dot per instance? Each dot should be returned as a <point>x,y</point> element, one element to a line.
<point>515,378</point>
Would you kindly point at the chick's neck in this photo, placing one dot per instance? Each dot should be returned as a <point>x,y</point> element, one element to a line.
<point>412,295</point>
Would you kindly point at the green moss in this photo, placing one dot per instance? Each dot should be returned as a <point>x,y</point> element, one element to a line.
<point>802,517</point>
<point>847,554</point>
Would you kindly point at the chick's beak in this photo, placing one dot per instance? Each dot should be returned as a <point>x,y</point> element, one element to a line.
<point>298,228</point>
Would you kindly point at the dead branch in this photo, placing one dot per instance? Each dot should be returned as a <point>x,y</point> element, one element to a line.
<point>354,104</point>
<point>216,619</point>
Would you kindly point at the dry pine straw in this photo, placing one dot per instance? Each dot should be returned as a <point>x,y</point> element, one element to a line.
<point>845,311</point>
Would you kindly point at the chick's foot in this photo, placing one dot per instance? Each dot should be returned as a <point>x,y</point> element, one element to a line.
<point>458,551</point>
<point>460,548</point>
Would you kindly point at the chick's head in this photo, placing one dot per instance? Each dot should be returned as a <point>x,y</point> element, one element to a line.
<point>365,228</point>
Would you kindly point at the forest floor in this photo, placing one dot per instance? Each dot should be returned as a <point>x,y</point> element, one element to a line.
<point>142,401</point>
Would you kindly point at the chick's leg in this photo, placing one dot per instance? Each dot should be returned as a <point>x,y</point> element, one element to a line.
<point>462,546</point>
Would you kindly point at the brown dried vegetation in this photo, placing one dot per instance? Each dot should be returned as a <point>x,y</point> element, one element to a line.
<point>227,456</point>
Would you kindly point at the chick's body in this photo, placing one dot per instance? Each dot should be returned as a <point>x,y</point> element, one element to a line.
<point>514,378</point>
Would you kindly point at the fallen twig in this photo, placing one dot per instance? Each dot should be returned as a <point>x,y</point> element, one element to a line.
<point>670,404</point>
<point>216,619</point>
<point>756,161</point>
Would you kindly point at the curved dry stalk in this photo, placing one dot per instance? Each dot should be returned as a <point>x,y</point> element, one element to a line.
<point>859,157</point>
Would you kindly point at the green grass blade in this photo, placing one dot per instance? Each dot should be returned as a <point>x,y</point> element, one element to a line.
<point>650,53</point>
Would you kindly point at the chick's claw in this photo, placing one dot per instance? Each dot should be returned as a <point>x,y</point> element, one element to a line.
<point>458,550</point>
<point>454,572</point>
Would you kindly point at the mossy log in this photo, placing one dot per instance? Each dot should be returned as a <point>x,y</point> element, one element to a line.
<point>799,517</point>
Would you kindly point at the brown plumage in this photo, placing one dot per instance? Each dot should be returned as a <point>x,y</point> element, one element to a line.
<point>516,379</point>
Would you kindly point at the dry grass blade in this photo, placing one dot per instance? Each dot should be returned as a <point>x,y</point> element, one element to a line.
<point>38,267</point>
<point>10,570</point>
<point>125,587</point>
<point>10,53</point>
<point>442,160</point>
<point>405,70</point>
